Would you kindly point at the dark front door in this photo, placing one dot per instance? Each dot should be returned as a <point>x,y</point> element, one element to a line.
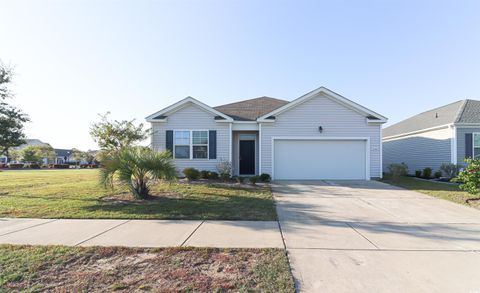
<point>247,157</point>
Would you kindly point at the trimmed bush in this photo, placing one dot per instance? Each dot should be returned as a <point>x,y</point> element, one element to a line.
<point>32,166</point>
<point>437,174</point>
<point>15,165</point>
<point>58,166</point>
<point>212,175</point>
<point>191,173</point>
<point>264,177</point>
<point>254,179</point>
<point>239,179</point>
<point>397,170</point>
<point>418,173</point>
<point>450,170</point>
<point>204,174</point>
<point>427,172</point>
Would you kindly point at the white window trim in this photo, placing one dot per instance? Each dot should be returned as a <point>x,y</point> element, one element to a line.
<point>191,144</point>
<point>473,143</point>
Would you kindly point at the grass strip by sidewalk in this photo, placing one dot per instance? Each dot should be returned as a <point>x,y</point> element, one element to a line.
<point>450,192</point>
<point>100,269</point>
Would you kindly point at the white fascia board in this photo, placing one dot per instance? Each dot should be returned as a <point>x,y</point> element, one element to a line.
<point>179,104</point>
<point>328,93</point>
<point>466,125</point>
<point>417,131</point>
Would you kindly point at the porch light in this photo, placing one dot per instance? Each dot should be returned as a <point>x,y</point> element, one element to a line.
<point>320,129</point>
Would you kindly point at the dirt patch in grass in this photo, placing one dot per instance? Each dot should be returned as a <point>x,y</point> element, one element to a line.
<point>100,269</point>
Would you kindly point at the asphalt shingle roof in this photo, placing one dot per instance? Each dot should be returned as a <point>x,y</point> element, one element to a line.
<point>464,111</point>
<point>250,110</point>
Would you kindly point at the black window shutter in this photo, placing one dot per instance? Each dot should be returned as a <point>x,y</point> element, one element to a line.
<point>212,144</point>
<point>169,141</point>
<point>468,145</point>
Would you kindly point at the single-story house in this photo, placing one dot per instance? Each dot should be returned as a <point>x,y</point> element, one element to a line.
<point>320,135</point>
<point>448,134</point>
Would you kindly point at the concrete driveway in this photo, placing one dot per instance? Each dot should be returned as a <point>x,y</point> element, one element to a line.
<point>366,236</point>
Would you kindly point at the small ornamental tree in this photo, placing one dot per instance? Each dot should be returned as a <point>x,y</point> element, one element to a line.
<point>470,177</point>
<point>116,135</point>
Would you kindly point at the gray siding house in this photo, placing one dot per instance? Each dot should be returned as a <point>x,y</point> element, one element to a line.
<point>320,135</point>
<point>448,134</point>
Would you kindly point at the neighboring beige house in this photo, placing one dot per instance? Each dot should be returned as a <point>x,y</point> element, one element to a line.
<point>320,135</point>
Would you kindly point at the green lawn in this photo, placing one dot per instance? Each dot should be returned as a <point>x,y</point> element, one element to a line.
<point>106,269</point>
<point>441,190</point>
<point>77,194</point>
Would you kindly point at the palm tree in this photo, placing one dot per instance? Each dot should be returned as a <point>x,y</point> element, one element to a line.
<point>136,168</point>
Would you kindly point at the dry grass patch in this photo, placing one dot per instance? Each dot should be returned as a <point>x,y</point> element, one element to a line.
<point>100,269</point>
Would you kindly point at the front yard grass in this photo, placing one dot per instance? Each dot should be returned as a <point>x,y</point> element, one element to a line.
<point>441,190</point>
<point>106,269</point>
<point>77,194</point>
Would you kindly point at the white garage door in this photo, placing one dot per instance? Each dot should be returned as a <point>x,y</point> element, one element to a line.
<point>319,159</point>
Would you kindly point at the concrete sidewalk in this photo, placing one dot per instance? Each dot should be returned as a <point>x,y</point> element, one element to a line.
<point>140,233</point>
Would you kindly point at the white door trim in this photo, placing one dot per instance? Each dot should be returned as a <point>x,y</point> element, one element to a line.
<point>366,139</point>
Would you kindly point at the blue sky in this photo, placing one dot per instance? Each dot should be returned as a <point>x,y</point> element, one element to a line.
<point>74,59</point>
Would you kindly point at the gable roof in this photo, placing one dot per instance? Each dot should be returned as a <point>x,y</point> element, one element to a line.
<point>369,114</point>
<point>250,110</point>
<point>463,111</point>
<point>160,115</point>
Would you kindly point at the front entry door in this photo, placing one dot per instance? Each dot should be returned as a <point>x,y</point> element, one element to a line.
<point>247,157</point>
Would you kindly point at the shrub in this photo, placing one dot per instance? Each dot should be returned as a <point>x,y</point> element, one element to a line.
<point>450,170</point>
<point>470,176</point>
<point>254,179</point>
<point>418,173</point>
<point>224,169</point>
<point>397,170</point>
<point>3,165</point>
<point>204,174</point>
<point>264,177</point>
<point>437,174</point>
<point>15,165</point>
<point>191,173</point>
<point>240,179</point>
<point>32,166</point>
<point>427,172</point>
<point>212,175</point>
<point>58,166</point>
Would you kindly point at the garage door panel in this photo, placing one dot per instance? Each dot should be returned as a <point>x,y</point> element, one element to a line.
<point>319,159</point>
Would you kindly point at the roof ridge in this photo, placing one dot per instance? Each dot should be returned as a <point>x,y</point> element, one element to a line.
<point>243,101</point>
<point>461,111</point>
<point>436,108</point>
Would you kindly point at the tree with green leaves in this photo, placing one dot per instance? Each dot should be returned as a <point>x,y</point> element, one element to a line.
<point>137,168</point>
<point>116,135</point>
<point>78,155</point>
<point>12,120</point>
<point>30,154</point>
<point>36,153</point>
<point>45,151</point>
<point>470,177</point>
